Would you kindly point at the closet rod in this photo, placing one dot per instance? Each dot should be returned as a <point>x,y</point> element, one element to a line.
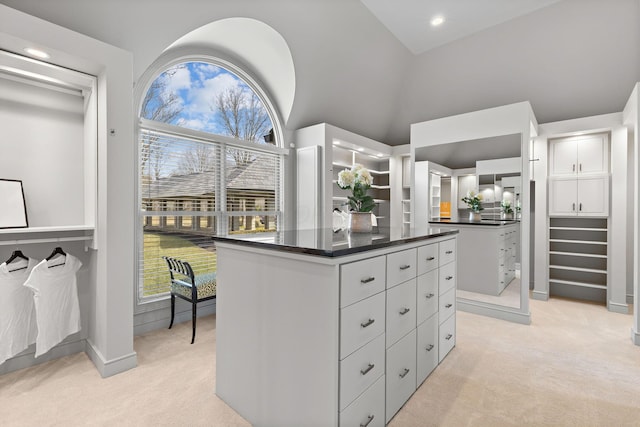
<point>50,240</point>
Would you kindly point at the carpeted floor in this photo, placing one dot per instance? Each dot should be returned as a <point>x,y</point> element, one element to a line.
<point>573,366</point>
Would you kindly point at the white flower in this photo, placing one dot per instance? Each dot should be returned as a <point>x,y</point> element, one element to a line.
<point>471,194</point>
<point>479,196</point>
<point>362,175</point>
<point>346,178</point>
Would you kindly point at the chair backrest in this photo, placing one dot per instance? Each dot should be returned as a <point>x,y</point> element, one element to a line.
<point>180,267</point>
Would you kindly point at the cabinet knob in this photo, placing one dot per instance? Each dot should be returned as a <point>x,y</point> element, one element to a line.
<point>431,258</point>
<point>367,323</point>
<point>573,167</point>
<point>404,267</point>
<point>573,207</point>
<point>581,206</point>
<point>429,347</point>
<point>367,280</point>
<point>366,423</point>
<point>429,295</point>
<point>448,278</point>
<point>448,306</point>
<point>404,373</point>
<point>366,370</point>
<point>448,337</point>
<point>404,311</point>
<point>448,252</point>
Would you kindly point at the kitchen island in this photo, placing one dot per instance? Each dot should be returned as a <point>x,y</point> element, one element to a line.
<point>315,328</point>
<point>488,250</point>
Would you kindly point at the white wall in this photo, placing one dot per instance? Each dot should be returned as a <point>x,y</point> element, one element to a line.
<point>110,334</point>
<point>575,58</point>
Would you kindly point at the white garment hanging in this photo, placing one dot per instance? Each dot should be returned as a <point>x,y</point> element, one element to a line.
<point>17,314</point>
<point>55,290</point>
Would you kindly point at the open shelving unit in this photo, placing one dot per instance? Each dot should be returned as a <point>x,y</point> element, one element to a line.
<point>434,194</point>
<point>578,258</point>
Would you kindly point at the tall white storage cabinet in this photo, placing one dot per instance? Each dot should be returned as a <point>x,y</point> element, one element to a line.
<point>340,149</point>
<point>579,214</point>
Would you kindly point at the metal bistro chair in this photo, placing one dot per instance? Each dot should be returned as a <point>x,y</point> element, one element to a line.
<point>186,285</point>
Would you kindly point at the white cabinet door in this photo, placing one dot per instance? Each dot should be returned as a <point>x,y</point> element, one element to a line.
<point>592,154</point>
<point>563,157</point>
<point>593,196</point>
<point>563,196</point>
<point>406,172</point>
<point>587,154</point>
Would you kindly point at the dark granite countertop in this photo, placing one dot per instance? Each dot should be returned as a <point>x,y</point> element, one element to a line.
<point>325,242</point>
<point>463,221</point>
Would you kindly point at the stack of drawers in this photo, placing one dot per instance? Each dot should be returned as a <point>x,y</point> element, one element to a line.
<point>396,324</point>
<point>506,257</point>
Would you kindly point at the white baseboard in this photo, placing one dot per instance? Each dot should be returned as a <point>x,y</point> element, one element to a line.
<point>540,296</point>
<point>635,337</point>
<point>111,367</point>
<point>27,358</point>
<point>495,312</point>
<point>618,308</point>
<point>630,299</point>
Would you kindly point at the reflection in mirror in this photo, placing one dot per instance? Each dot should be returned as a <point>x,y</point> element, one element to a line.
<point>488,248</point>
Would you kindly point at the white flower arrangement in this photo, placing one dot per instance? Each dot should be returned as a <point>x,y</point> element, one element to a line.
<point>473,201</point>
<point>358,180</point>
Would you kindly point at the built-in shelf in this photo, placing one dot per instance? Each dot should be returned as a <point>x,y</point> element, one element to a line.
<point>51,229</point>
<point>577,254</point>
<point>33,235</point>
<point>578,257</point>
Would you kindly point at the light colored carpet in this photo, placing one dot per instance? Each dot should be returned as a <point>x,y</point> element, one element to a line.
<point>573,366</point>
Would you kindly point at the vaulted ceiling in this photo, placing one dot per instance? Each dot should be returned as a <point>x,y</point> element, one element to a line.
<point>374,69</point>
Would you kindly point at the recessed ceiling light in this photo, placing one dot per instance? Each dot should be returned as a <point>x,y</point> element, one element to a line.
<point>336,142</point>
<point>436,21</point>
<point>37,52</point>
<point>360,149</point>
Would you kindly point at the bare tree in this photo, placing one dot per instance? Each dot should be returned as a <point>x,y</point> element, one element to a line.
<point>161,106</point>
<point>244,117</point>
<point>199,158</point>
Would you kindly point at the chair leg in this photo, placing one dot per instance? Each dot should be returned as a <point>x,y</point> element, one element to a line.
<point>193,321</point>
<point>173,309</point>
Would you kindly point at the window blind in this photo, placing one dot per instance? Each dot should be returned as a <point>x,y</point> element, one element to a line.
<point>192,189</point>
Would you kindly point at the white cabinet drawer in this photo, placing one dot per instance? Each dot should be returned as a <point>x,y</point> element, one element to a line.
<point>401,311</point>
<point>368,409</point>
<point>427,296</point>
<point>427,348</point>
<point>447,305</point>
<point>401,266</point>
<point>361,279</point>
<point>427,258</point>
<point>401,373</point>
<point>447,337</point>
<point>446,278</point>
<point>447,252</point>
<point>360,370</point>
<point>360,323</point>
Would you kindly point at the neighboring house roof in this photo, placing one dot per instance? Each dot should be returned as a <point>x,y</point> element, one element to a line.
<point>249,177</point>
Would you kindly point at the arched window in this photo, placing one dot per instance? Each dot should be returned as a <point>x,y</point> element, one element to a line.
<point>209,164</point>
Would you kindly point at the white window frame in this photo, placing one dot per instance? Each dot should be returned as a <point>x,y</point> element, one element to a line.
<point>144,304</point>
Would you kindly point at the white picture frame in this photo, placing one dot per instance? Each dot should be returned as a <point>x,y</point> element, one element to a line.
<point>13,209</point>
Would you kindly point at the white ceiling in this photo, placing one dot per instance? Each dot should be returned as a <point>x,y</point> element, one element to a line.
<point>409,20</point>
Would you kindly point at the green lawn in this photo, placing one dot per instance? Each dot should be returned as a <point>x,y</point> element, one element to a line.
<point>156,245</point>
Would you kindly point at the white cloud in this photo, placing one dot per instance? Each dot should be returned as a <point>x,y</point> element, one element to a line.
<point>178,78</point>
<point>195,124</point>
<point>201,99</point>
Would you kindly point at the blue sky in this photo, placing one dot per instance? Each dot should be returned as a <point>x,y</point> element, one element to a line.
<point>198,86</point>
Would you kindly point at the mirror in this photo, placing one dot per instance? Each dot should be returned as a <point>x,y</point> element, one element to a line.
<point>13,210</point>
<point>489,247</point>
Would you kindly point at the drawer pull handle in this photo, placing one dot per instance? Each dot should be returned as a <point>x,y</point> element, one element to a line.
<point>367,280</point>
<point>404,373</point>
<point>404,267</point>
<point>448,306</point>
<point>448,337</point>
<point>366,370</point>
<point>430,295</point>
<point>404,311</point>
<point>448,252</point>
<point>367,323</point>
<point>369,419</point>
<point>430,347</point>
<point>448,278</point>
<point>431,258</point>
